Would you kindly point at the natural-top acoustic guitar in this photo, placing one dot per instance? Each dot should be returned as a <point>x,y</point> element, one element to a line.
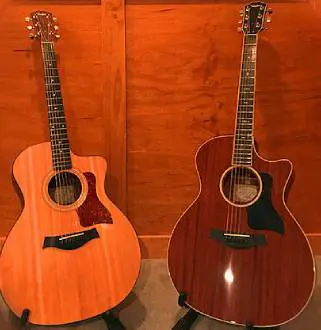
<point>72,254</point>
<point>237,253</point>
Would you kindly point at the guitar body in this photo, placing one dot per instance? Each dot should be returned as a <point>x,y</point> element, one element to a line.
<point>266,284</point>
<point>79,277</point>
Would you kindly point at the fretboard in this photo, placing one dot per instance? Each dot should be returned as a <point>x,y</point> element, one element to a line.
<point>57,123</point>
<point>243,138</point>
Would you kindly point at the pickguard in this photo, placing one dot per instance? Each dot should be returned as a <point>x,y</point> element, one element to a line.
<point>92,211</point>
<point>262,215</point>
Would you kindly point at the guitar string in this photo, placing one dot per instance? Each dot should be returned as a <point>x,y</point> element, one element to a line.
<point>57,155</point>
<point>244,172</point>
<point>69,188</point>
<point>250,65</point>
<point>61,126</point>
<point>242,139</point>
<point>243,135</point>
<point>66,177</point>
<point>235,171</point>
<point>50,116</point>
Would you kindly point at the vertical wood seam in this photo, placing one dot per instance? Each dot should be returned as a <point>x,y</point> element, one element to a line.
<point>114,99</point>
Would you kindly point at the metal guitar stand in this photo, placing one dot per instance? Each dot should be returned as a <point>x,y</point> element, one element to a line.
<point>186,322</point>
<point>112,322</point>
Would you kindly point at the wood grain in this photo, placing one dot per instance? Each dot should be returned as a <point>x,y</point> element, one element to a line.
<point>65,286</point>
<point>229,283</point>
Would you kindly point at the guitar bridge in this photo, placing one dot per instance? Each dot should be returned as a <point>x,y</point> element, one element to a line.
<point>238,240</point>
<point>70,241</point>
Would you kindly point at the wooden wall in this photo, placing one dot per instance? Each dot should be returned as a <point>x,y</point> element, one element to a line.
<point>182,66</point>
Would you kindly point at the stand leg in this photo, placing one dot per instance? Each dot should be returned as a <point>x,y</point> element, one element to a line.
<point>112,322</point>
<point>24,317</point>
<point>186,322</point>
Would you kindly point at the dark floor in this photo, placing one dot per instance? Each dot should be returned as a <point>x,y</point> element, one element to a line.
<point>153,306</point>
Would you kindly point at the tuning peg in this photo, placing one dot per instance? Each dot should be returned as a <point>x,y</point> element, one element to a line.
<point>31,36</point>
<point>27,19</point>
<point>241,12</point>
<point>57,36</point>
<point>29,27</point>
<point>268,19</point>
<point>240,21</point>
<point>239,29</point>
<point>54,19</point>
<point>56,27</point>
<point>270,11</point>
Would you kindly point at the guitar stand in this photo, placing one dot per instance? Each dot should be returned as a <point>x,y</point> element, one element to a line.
<point>186,322</point>
<point>112,322</point>
<point>24,317</point>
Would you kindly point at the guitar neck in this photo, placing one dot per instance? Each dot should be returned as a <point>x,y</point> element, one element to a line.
<point>243,137</point>
<point>60,147</point>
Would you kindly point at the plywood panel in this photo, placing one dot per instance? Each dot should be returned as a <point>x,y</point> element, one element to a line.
<point>114,98</point>
<point>183,66</point>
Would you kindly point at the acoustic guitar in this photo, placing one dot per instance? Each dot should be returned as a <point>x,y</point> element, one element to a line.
<point>72,254</point>
<point>237,253</point>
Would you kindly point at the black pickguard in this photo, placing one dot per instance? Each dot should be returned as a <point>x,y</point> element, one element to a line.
<point>262,215</point>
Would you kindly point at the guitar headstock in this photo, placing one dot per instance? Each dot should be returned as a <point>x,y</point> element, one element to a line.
<point>42,25</point>
<point>254,16</point>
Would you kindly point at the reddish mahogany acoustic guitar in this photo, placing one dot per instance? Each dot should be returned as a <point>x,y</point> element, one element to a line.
<point>237,252</point>
<point>72,254</point>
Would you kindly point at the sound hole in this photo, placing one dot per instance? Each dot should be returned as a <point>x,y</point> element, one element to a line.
<point>241,185</point>
<point>64,188</point>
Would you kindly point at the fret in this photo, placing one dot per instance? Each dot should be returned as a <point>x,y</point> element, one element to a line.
<point>247,89</point>
<point>247,81</point>
<point>61,117</point>
<point>59,136</point>
<point>55,106</point>
<point>242,158</point>
<point>59,129</point>
<point>60,166</point>
<point>53,84</point>
<point>50,99</point>
<point>53,93</point>
<point>244,127</point>
<point>50,76</point>
<point>241,162</point>
<point>60,155</point>
<point>248,94</point>
<point>60,141</point>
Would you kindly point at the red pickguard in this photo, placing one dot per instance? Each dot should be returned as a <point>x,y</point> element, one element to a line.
<point>92,211</point>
